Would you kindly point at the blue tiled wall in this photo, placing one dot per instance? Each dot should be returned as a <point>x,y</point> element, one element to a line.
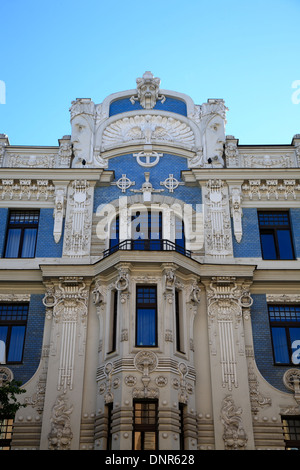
<point>124,105</point>
<point>168,164</point>
<point>295,223</point>
<point>249,246</point>
<point>33,340</point>
<point>3,224</point>
<point>46,246</point>
<point>263,343</point>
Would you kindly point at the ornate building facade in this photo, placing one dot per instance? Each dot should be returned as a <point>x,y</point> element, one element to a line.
<point>149,292</point>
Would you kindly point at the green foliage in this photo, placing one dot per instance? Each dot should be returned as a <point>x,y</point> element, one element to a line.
<point>9,404</point>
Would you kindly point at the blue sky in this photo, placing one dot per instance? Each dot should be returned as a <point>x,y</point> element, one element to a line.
<point>246,52</point>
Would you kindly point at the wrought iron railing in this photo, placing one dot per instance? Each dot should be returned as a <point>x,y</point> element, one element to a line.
<point>147,245</point>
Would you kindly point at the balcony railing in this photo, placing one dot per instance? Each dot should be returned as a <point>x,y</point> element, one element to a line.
<point>147,245</point>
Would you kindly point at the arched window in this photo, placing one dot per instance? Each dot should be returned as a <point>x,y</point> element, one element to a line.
<point>147,233</point>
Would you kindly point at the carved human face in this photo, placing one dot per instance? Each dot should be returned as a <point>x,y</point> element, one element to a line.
<point>215,137</point>
<point>81,137</point>
<point>147,93</point>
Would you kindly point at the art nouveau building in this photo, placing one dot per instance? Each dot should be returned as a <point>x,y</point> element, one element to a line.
<point>149,291</point>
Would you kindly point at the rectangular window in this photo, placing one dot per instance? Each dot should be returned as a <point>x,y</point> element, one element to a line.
<point>114,234</point>
<point>275,235</point>
<point>5,433</point>
<point>285,329</point>
<point>178,322</point>
<point>145,425</point>
<point>291,431</point>
<point>22,234</point>
<point>113,322</point>
<point>13,321</point>
<point>109,409</point>
<point>146,316</point>
<point>182,412</point>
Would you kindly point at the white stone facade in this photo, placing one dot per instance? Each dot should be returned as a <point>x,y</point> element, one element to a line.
<point>210,393</point>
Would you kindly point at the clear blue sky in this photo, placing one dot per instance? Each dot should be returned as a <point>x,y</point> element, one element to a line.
<point>246,52</point>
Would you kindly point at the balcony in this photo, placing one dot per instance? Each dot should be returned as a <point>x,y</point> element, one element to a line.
<point>147,245</point>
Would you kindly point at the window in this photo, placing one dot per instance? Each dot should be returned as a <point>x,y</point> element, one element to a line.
<point>275,235</point>
<point>114,235</point>
<point>109,410</point>
<point>13,320</point>
<point>182,413</point>
<point>146,316</point>
<point>22,234</point>
<point>147,230</point>
<point>5,433</point>
<point>145,425</point>
<point>291,431</point>
<point>113,322</point>
<point>179,235</point>
<point>285,329</point>
<point>147,233</point>
<point>178,322</point>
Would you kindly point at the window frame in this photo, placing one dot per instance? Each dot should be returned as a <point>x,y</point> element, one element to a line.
<point>286,325</point>
<point>272,229</point>
<point>10,323</point>
<point>146,243</point>
<point>146,306</point>
<point>179,326</point>
<point>6,431</point>
<point>291,443</point>
<point>109,413</point>
<point>113,322</point>
<point>145,427</point>
<point>21,226</point>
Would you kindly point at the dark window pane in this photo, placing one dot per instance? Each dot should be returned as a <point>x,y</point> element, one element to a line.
<point>22,234</point>
<point>13,318</point>
<point>284,313</point>
<point>280,346</point>
<point>146,327</point>
<point>268,246</point>
<point>16,344</point>
<point>179,233</point>
<point>13,243</point>
<point>29,242</point>
<point>114,233</point>
<point>273,218</point>
<point>285,244</point>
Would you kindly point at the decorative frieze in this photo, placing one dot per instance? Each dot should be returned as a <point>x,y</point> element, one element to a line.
<point>267,161</point>
<point>30,161</point>
<point>283,298</point>
<point>27,189</point>
<point>271,189</point>
<point>15,298</point>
